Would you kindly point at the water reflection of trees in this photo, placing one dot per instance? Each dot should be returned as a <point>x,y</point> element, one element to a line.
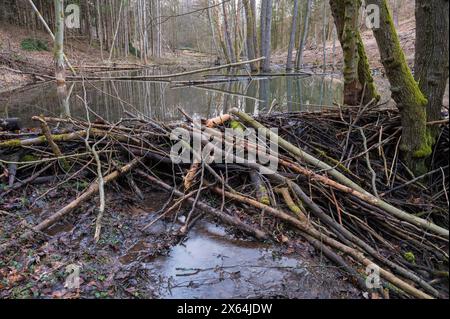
<point>160,100</point>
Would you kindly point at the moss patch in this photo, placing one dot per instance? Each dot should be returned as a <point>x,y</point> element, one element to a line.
<point>30,44</point>
<point>410,257</point>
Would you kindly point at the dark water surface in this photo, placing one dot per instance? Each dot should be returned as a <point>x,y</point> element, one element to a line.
<point>160,100</point>
<point>211,264</point>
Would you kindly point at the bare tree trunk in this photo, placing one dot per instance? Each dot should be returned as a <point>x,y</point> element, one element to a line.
<point>299,63</point>
<point>99,28</point>
<point>227,35</point>
<point>145,27</point>
<point>60,72</point>
<point>262,30</point>
<point>324,35</point>
<point>266,32</point>
<point>213,32</point>
<point>416,141</point>
<point>255,35</point>
<point>250,24</point>
<point>158,34</point>
<point>117,30</point>
<point>292,36</point>
<point>221,39</point>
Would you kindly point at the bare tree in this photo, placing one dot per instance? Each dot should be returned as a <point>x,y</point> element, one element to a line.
<point>266,33</point>
<point>227,35</point>
<point>60,70</point>
<point>251,33</point>
<point>304,36</point>
<point>292,36</point>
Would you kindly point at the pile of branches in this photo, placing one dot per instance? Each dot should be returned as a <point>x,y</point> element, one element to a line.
<point>340,184</point>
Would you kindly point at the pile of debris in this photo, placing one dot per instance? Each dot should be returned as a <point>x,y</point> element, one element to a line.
<point>338,181</point>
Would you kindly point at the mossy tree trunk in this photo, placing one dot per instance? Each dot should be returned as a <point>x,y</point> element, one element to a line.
<point>60,69</point>
<point>359,80</point>
<point>432,54</point>
<point>416,142</point>
<point>352,86</point>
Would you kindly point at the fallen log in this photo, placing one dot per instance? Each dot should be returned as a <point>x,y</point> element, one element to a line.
<point>164,76</point>
<point>65,137</point>
<point>14,143</point>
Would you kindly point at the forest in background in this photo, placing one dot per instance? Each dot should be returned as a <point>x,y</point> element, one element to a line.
<point>156,27</point>
<point>249,30</point>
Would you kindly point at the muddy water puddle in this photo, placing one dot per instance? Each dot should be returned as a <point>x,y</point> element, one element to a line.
<point>213,264</point>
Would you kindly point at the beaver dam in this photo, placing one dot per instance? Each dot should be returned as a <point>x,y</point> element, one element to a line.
<point>339,198</point>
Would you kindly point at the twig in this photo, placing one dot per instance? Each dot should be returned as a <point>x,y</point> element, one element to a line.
<point>369,166</point>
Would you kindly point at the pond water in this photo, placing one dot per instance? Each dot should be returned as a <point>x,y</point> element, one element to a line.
<point>160,100</point>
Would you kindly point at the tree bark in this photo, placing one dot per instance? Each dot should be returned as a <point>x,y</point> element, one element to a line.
<point>60,71</point>
<point>416,141</point>
<point>432,54</point>
<point>99,28</point>
<point>292,36</point>
<point>352,86</point>
<point>266,33</point>
<point>324,36</point>
<point>255,35</point>
<point>251,33</point>
<point>304,36</point>
<point>213,32</point>
<point>227,35</point>
<point>364,74</point>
